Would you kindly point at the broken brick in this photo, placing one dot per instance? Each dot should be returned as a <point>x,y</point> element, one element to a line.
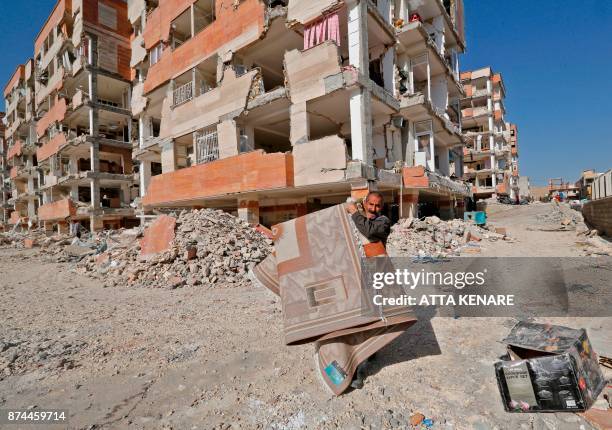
<point>158,237</point>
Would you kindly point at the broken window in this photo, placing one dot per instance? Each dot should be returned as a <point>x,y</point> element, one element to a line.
<point>156,168</point>
<point>50,69</point>
<point>155,127</point>
<point>424,135</point>
<point>203,14</point>
<point>67,59</point>
<point>376,72</point>
<point>181,29</point>
<point>420,75</point>
<point>64,166</point>
<point>110,197</point>
<point>246,144</point>
<point>206,75</point>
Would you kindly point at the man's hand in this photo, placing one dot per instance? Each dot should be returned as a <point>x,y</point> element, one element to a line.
<point>351,208</point>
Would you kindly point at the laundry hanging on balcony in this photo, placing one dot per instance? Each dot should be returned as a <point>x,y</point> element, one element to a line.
<point>327,28</point>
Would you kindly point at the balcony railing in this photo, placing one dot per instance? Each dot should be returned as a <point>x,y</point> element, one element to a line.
<point>182,94</point>
<point>481,92</point>
<point>207,146</point>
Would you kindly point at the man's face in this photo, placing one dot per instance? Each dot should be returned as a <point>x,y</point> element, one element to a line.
<point>373,205</point>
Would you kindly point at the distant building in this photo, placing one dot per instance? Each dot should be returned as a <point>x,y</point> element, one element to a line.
<point>491,152</point>
<point>562,190</point>
<point>585,183</point>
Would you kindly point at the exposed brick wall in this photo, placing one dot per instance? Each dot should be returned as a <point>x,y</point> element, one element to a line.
<point>58,210</point>
<point>90,15</point>
<point>51,147</point>
<point>14,150</point>
<point>598,214</point>
<point>56,113</point>
<point>125,153</point>
<point>414,177</point>
<point>123,29</point>
<point>246,172</point>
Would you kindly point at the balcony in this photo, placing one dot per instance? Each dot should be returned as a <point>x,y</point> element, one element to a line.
<point>248,172</point>
<point>418,177</point>
<point>19,120</point>
<point>501,151</point>
<point>56,113</point>
<point>17,96</point>
<point>50,148</point>
<point>182,94</point>
<point>15,150</point>
<point>475,112</point>
<point>480,93</point>
<point>139,52</point>
<point>58,210</point>
<point>238,26</point>
<point>483,189</point>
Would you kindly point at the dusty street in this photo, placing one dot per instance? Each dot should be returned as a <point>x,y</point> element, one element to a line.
<point>202,357</point>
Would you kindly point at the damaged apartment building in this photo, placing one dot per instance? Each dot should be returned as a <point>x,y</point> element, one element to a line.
<point>69,133</point>
<point>491,152</point>
<point>274,109</point>
<point>5,180</point>
<point>20,136</point>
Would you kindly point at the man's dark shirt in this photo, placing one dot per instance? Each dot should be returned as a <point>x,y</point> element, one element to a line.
<point>376,229</point>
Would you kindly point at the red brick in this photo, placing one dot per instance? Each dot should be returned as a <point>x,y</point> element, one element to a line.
<point>191,253</point>
<point>58,210</point>
<point>252,171</point>
<point>158,236</point>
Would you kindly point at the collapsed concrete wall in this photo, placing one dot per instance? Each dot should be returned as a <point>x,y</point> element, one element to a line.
<point>306,11</point>
<point>229,97</point>
<point>306,71</point>
<point>319,161</point>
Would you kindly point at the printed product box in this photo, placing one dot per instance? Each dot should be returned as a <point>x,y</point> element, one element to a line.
<point>552,369</point>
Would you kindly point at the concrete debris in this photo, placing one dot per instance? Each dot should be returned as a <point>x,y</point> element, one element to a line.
<point>205,247</point>
<point>36,352</point>
<point>33,238</point>
<point>210,247</point>
<point>560,218</point>
<point>434,237</point>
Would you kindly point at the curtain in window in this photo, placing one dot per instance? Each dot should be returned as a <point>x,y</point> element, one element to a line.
<point>327,28</point>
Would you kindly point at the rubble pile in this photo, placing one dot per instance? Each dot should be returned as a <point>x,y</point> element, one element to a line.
<point>210,248</point>
<point>33,238</point>
<point>433,237</point>
<point>560,218</point>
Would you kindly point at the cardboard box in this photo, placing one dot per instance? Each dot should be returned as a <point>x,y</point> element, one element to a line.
<point>552,369</point>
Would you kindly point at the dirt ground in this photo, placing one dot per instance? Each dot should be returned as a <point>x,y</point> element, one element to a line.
<point>202,358</point>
